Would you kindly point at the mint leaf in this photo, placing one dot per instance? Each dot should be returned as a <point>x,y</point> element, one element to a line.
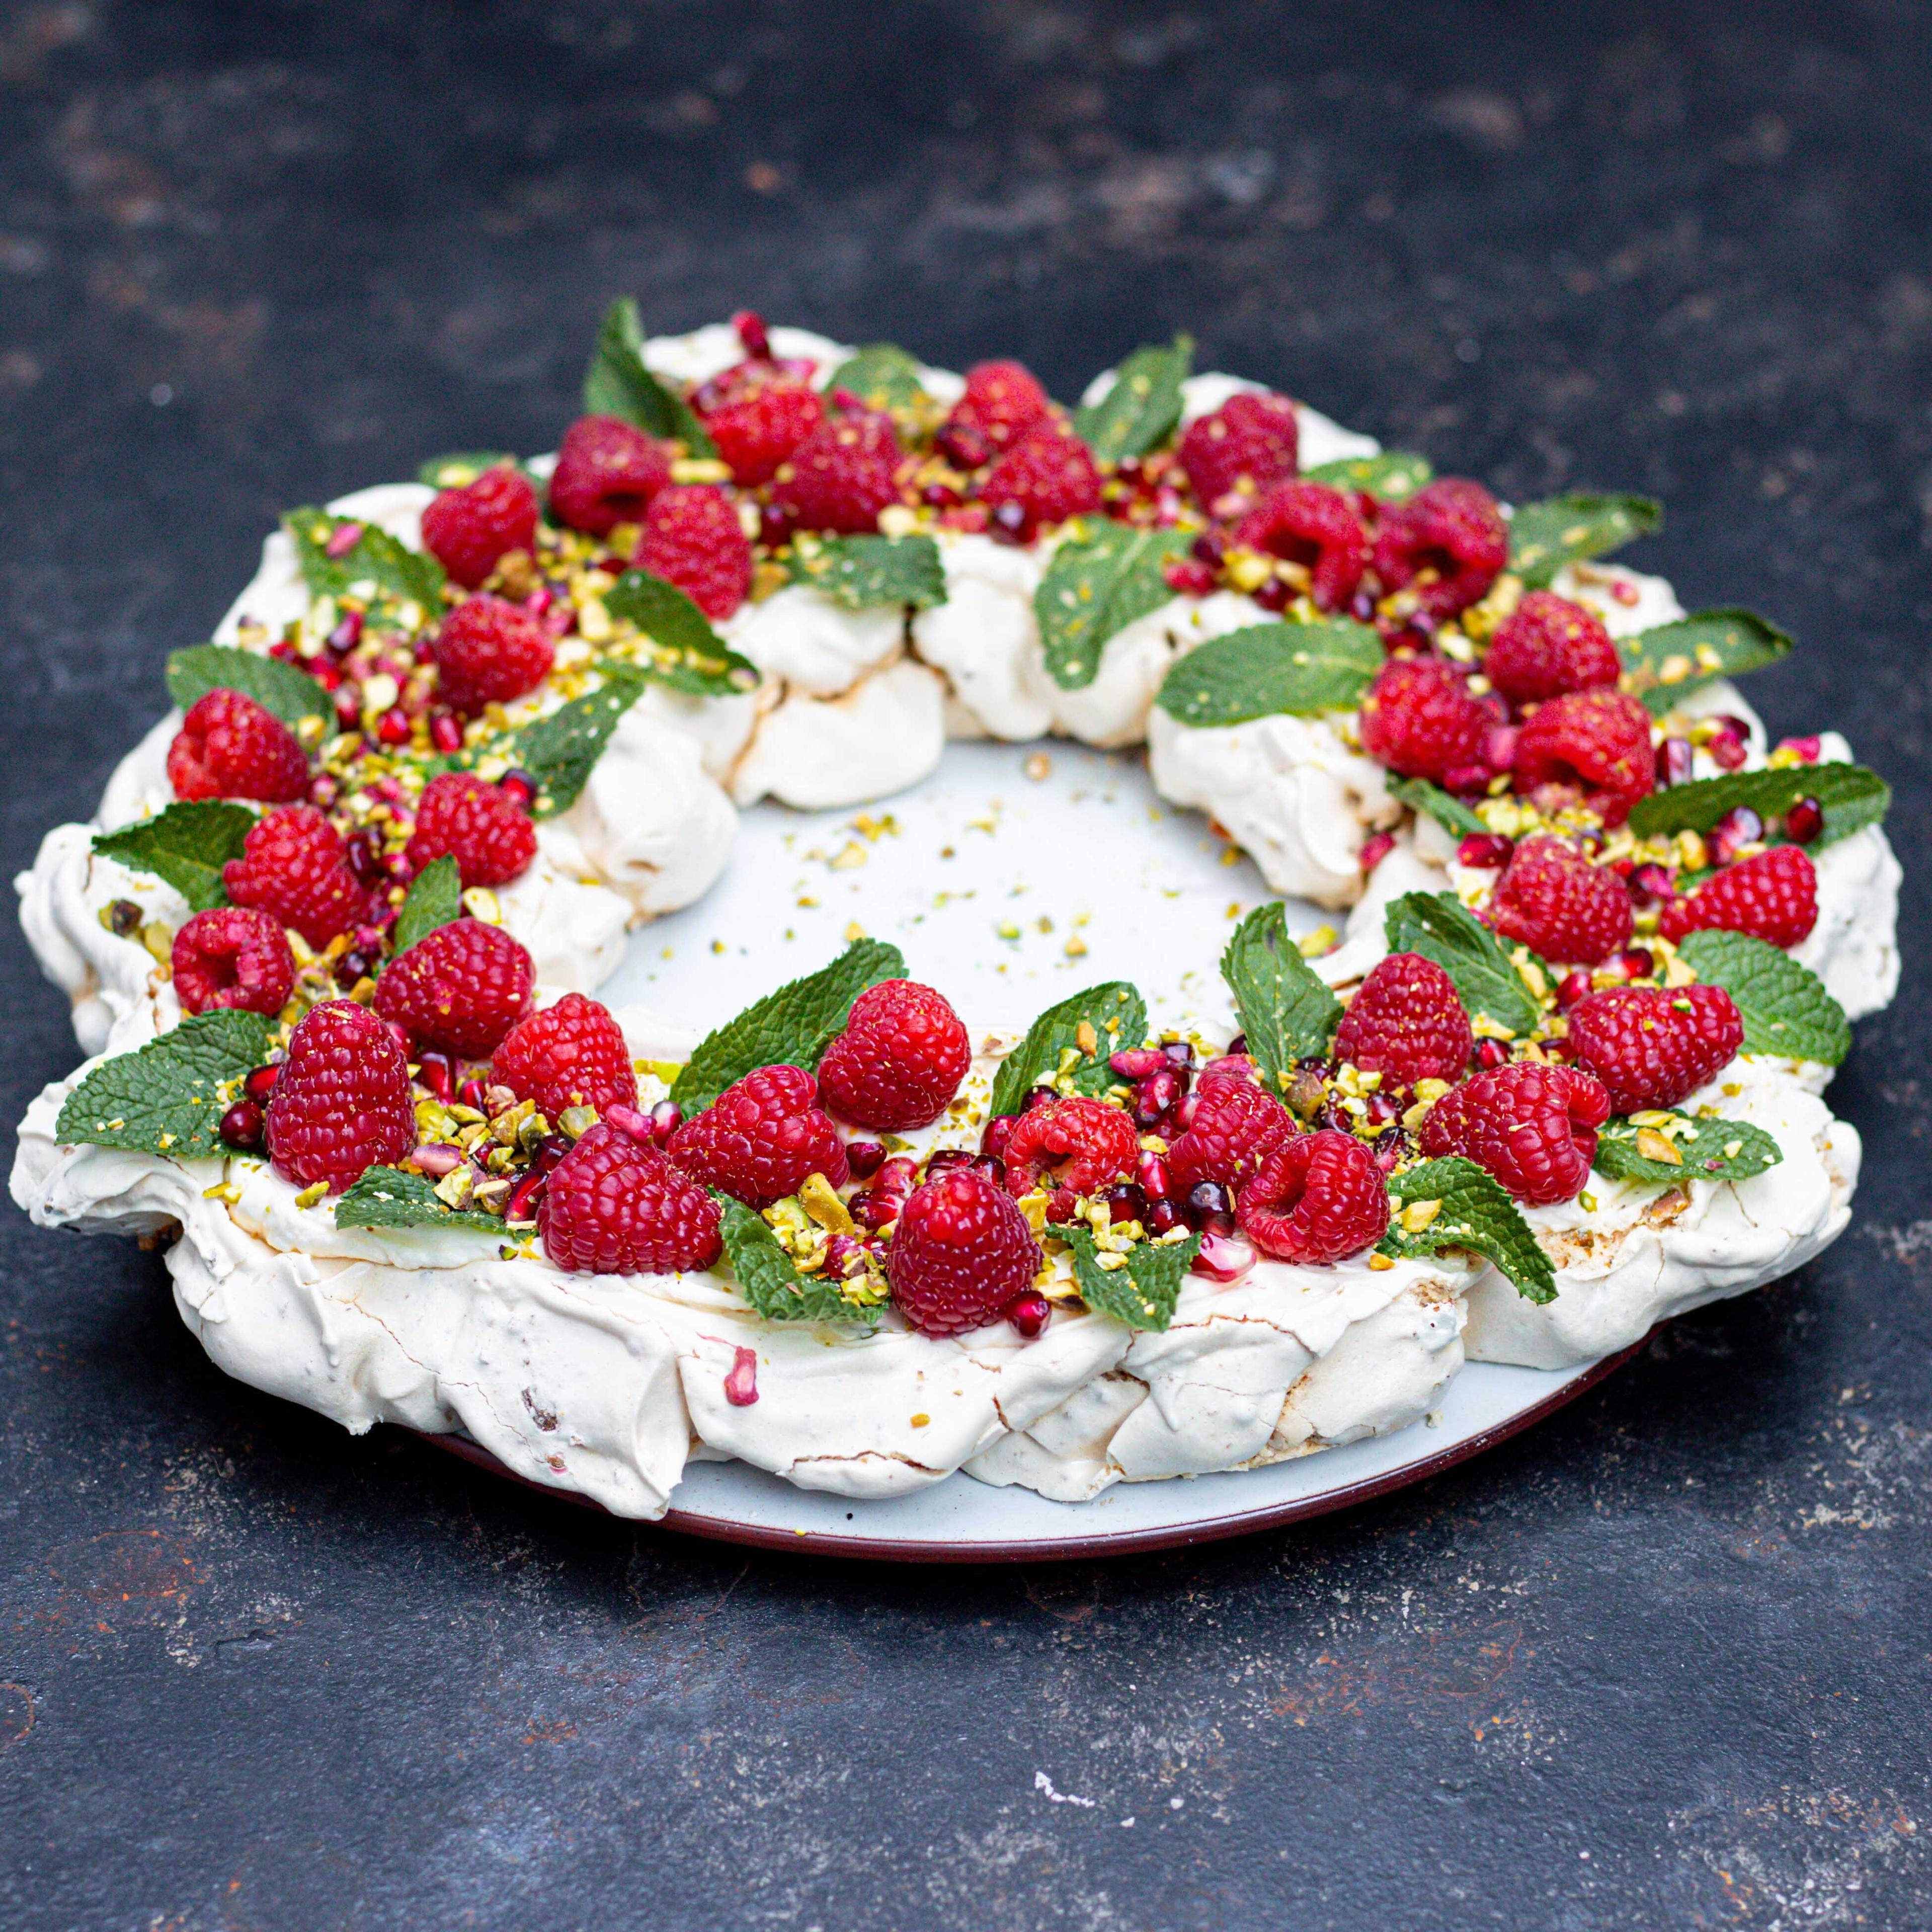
<point>187,845</point>
<point>1286,1012</point>
<point>1301,669</point>
<point>168,1098</point>
<point>882,375</point>
<point>290,695</point>
<point>559,750</point>
<point>1117,1016</point>
<point>1096,584</point>
<point>1143,406</point>
<point>1786,1009</point>
<point>1852,796</point>
<point>375,559</point>
<point>1394,476</point>
<point>1441,927</point>
<point>435,897</point>
<point>617,384</point>
<point>791,1028</point>
<point>1140,1295</point>
<point>689,655</point>
<point>390,1197</point>
<point>1477,1215</point>
<point>1704,1148</point>
<point>1543,537</point>
<point>1451,813</point>
<point>461,467</point>
<point>770,1278</point>
<point>860,572</point>
<point>1668,663</point>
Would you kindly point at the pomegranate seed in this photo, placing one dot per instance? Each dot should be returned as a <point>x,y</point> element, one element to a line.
<point>751,333</point>
<point>964,447</point>
<point>446,731</point>
<point>343,539</point>
<point>521,1205</point>
<point>1029,1313</point>
<point>1061,1204</point>
<point>1638,964</point>
<point>1223,1257</point>
<point>844,1257</point>
<point>1809,749</point>
<point>1163,1218</point>
<point>1393,1146</point>
<point>1466,780</point>
<point>1651,884</point>
<point>941,1159</point>
<point>437,1071</point>
<point>241,1125</point>
<point>1038,1097</point>
<point>1674,762</point>
<point>1168,509</point>
<point>352,968</point>
<point>1188,577</point>
<point>393,727</point>
<point>1804,821</point>
<point>1727,751</point>
<point>667,1117</point>
<point>1209,1204</point>
<point>1154,1096</point>
<point>1125,1202</point>
<point>348,707</point>
<point>628,1120</point>
<point>282,648</point>
<point>325,790</point>
<point>260,1084</point>
<point>1491,1054</point>
<point>741,1385</point>
<point>1484,851</point>
<point>1183,1117</point>
<point>1181,1053</point>
<point>1156,1183</point>
<point>998,1131</point>
<point>325,673</point>
<point>1569,989</point>
<point>992,1167</point>
<point>1382,1109</point>
<point>1011,524</point>
<point>1276,594</point>
<point>1136,1063</point>
<point>1738,827</point>
<point>1375,848</point>
<point>899,1176</point>
<point>347,634</point>
<point>872,1211</point>
<point>940,496</point>
<point>520,786</point>
<point>472,1092</point>
<point>436,1157</point>
<point>1209,547</point>
<point>865,1158</point>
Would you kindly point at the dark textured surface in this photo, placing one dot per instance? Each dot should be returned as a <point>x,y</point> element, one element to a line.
<point>1663,1661</point>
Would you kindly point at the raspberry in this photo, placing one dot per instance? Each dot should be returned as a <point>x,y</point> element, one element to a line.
<point>1773,896</point>
<point>1547,645</point>
<point>693,538</point>
<point>607,472</point>
<point>1317,527</point>
<point>840,477</point>
<point>761,1139</point>
<point>488,831</point>
<point>1451,527</point>
<point>755,432</point>
<point>1598,740</point>
<point>460,987</point>
<point>961,1251</point>
<point>233,957</point>
<point>1552,899</point>
<point>1048,475</point>
<point>340,1104</point>
<point>614,1206</point>
<point>1003,402</point>
<point>1652,1046</point>
<point>1248,445</point>
<point>572,1054</point>
<point>1533,1127</point>
<point>1318,1199</point>
<point>488,652</point>
<point>900,1058</point>
<point>294,867</point>
<point>468,531</point>
<point>229,746</point>
<point>1406,1024</point>
<point>1074,1143</point>
<point>1237,1125</point>
<point>1420,720</point>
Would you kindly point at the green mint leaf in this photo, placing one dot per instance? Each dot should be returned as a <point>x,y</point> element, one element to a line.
<point>168,1098</point>
<point>1477,1215</point>
<point>1117,1016</point>
<point>187,845</point>
<point>1286,1012</point>
<point>290,695</point>
<point>459,468</point>
<point>390,1197</point>
<point>1706,1149</point>
<point>1441,927</point>
<point>375,563</point>
<point>1140,1295</point>
<point>860,572</point>
<point>558,751</point>
<point>882,375</point>
<point>1142,407</point>
<point>617,384</point>
<point>1301,669</point>
<point>791,1028</point>
<point>1451,813</point>
<point>1668,663</point>
<point>435,897</point>
<point>1394,476</point>
<point>770,1279</point>
<point>1786,1009</point>
<point>1852,797</point>
<point>1098,582</point>
<point>688,655</point>
<point>1545,536</point>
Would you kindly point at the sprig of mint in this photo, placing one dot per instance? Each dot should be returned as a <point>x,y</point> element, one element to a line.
<point>618,384</point>
<point>1116,1015</point>
<point>1099,582</point>
<point>790,1027</point>
<point>186,845</point>
<point>882,375</point>
<point>375,558</point>
<point>1785,1009</point>
<point>434,898</point>
<point>1300,669</point>
<point>1441,927</point>
<point>168,1097</point>
<point>1704,1148</point>
<point>1449,812</point>
<point>1142,406</point>
<point>391,1197</point>
<point>290,695</point>
<point>770,1279</point>
<point>1394,476</point>
<point>1545,536</point>
<point>1287,1012</point>
<point>1664,665</point>
<point>459,468</point>
<point>559,750</point>
<point>1142,1294</point>
<point>863,572</point>
<point>1851,798</point>
<point>1476,1214</point>
<point>690,656</point>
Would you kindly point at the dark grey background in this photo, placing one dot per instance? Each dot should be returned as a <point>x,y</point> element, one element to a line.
<point>1663,1661</point>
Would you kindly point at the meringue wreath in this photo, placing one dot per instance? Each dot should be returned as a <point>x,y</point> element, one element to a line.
<point>331,938</point>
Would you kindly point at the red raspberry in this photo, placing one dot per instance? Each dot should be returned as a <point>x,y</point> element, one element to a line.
<point>460,987</point>
<point>1533,1126</point>
<point>470,530</point>
<point>1247,446</point>
<point>233,957</point>
<point>1237,1125</point>
<point>756,432</point>
<point>693,538</point>
<point>1310,524</point>
<point>1406,1024</point>
<point>293,866</point>
<point>841,476</point>
<point>1318,1199</point>
<point>1598,740</point>
<point>488,652</point>
<point>572,1054</point>
<point>961,1251</point>
<point>1420,720</point>
<point>1073,1142</point>
<point>1772,896</point>
<point>607,472</point>
<point>340,1104</point>
<point>614,1206</point>
<point>1003,402</point>
<point>762,1138</point>
<point>900,1058</point>
<point>1451,527</point>
<point>1049,474</point>
<point>1552,899</point>
<point>1547,645</point>
<point>1652,1046</point>
<point>229,746</point>
<point>488,831</point>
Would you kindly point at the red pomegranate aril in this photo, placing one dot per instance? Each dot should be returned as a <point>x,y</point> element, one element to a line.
<point>865,1158</point>
<point>1651,884</point>
<point>1155,1095</point>
<point>1181,1053</point>
<point>1808,749</point>
<point>1466,780</point>
<point>1011,524</point>
<point>1804,820</point>
<point>1727,751</point>
<point>348,706</point>
<point>353,967</point>
<point>1274,593</point>
<point>1038,1097</point>
<point>1029,1313</point>
<point>1125,1202</point>
<point>1136,1063</point>
<point>872,1210</point>
<point>899,1176</point>
<point>1209,1205</point>
<point>1569,989</point>
<point>996,1133</point>
<point>963,446</point>
<point>522,1204</point>
<point>992,1167</point>
<point>346,634</point>
<point>1375,848</point>
<point>473,1093</point>
<point>667,1117</point>
<point>1061,1204</point>
<point>520,786</point>
<point>1491,1054</point>
<point>437,1071</point>
<point>940,496</point>
<point>1638,964</point>
<point>328,675</point>
<point>844,1257</point>
<point>1382,1109</point>
<point>445,732</point>
<point>436,1157</point>
<point>1209,547</point>
<point>1739,827</point>
<point>1223,1256</point>
<point>241,1126</point>
<point>260,1084</point>
<point>1484,851</point>
<point>1156,1183</point>
<point>751,332</point>
<point>1674,762</point>
<point>1163,1218</point>
<point>943,1158</point>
